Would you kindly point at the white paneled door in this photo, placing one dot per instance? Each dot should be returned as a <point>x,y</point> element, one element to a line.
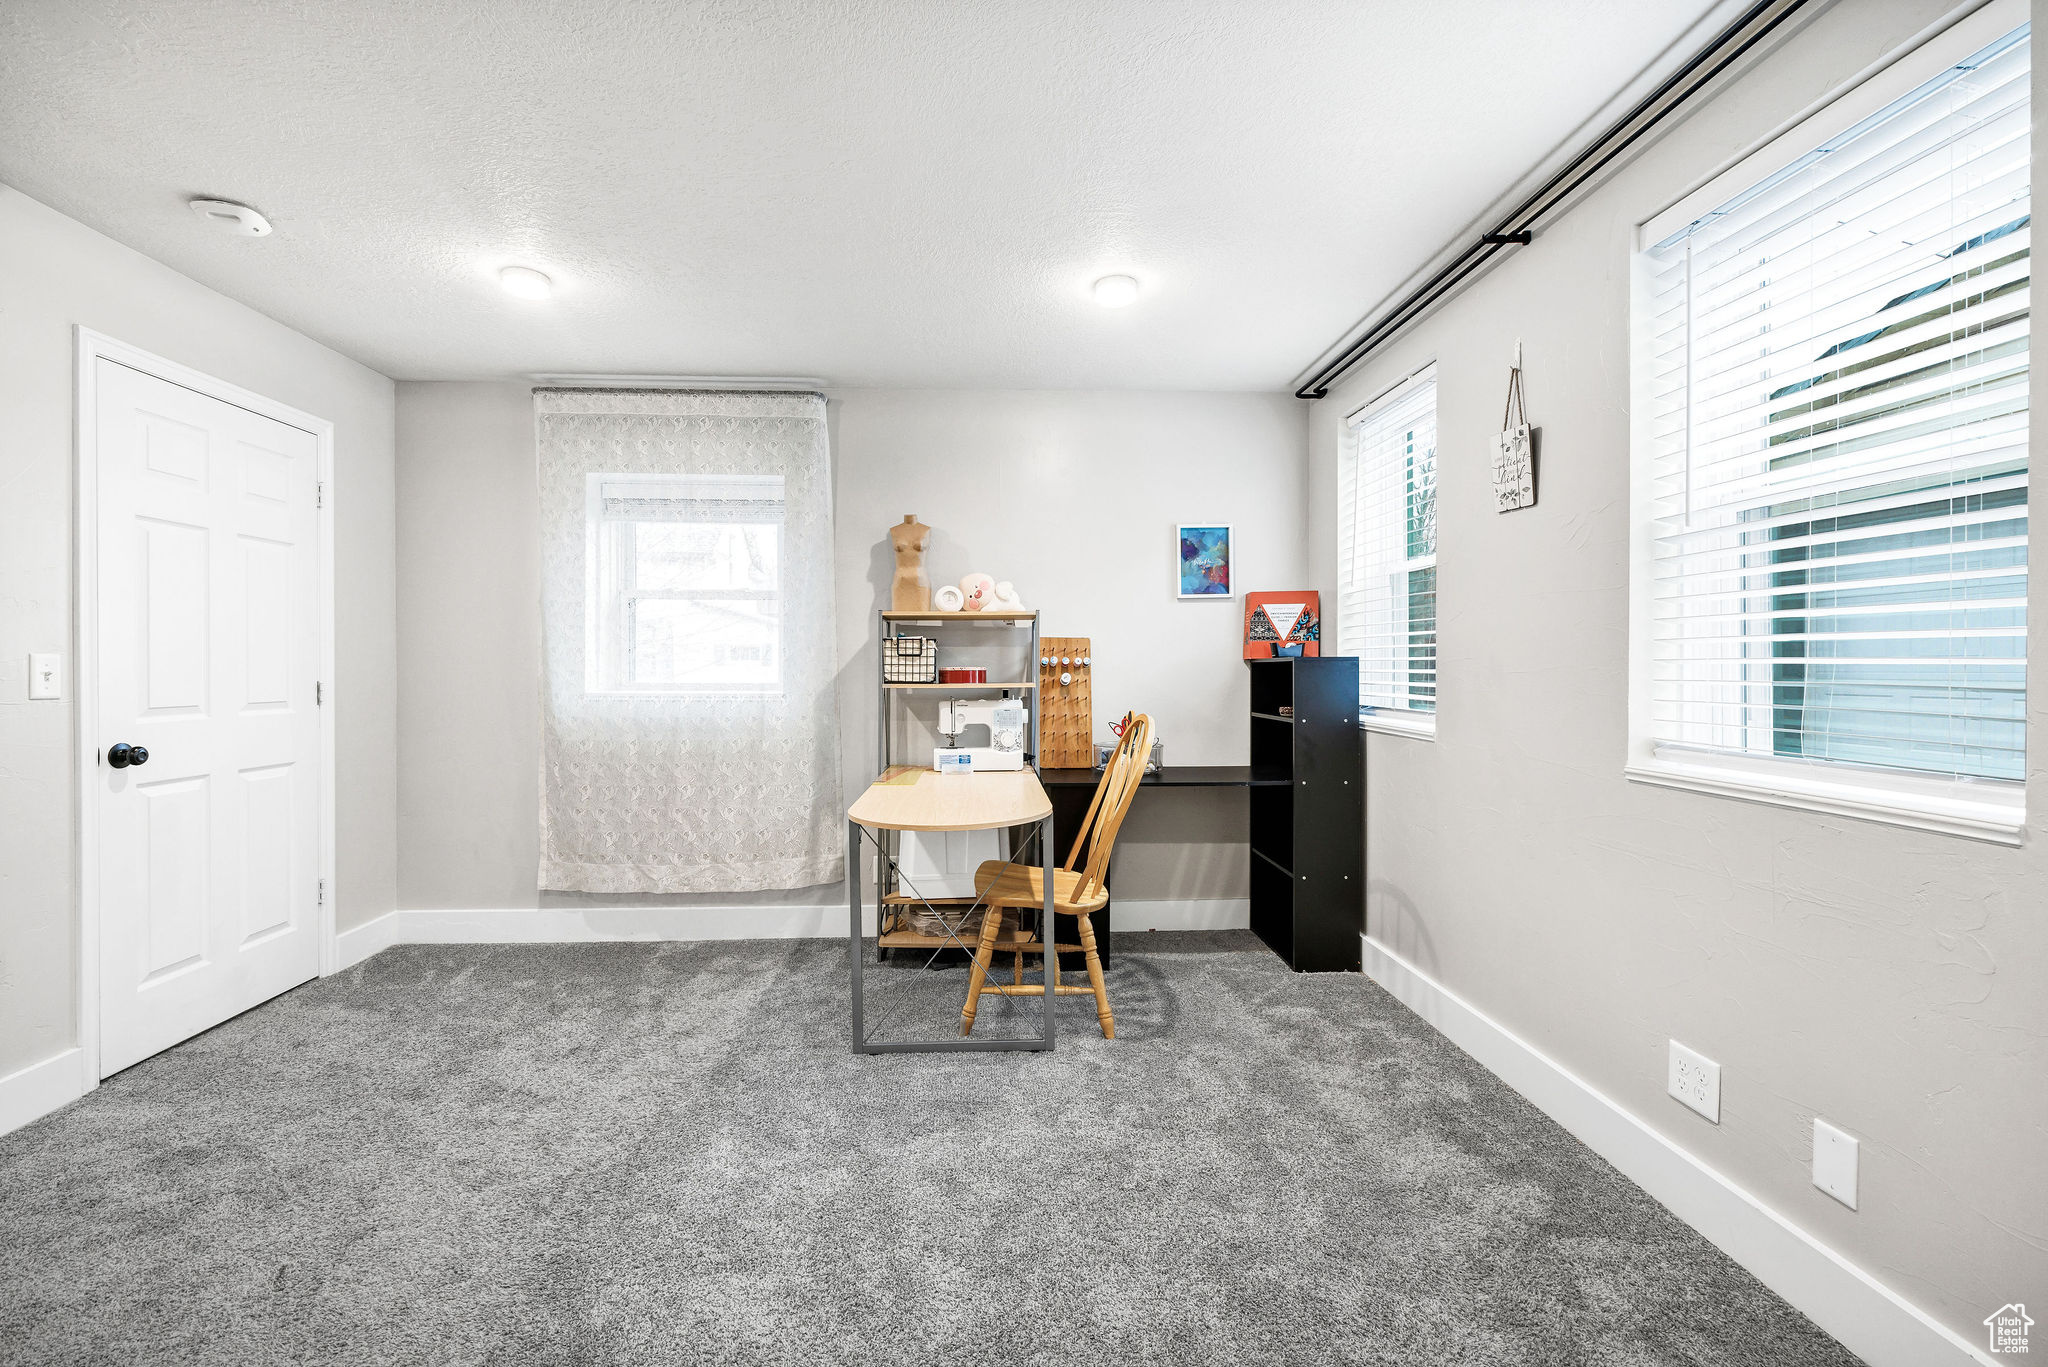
<point>208,728</point>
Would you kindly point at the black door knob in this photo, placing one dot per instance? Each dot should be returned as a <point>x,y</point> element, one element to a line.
<point>122,755</point>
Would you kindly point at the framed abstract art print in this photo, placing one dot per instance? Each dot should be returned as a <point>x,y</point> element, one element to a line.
<point>1204,565</point>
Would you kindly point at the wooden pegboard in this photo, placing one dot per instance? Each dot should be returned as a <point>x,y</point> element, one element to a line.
<point>1066,716</point>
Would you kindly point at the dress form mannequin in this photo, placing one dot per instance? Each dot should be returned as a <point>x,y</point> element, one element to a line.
<point>912,589</point>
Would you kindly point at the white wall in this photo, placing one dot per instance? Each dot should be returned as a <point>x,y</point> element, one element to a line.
<point>1889,980</point>
<point>1073,496</point>
<point>58,273</point>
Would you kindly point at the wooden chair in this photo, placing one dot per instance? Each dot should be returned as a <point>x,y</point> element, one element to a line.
<point>1076,891</point>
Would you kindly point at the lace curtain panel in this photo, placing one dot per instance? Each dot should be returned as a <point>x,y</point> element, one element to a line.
<point>690,734</point>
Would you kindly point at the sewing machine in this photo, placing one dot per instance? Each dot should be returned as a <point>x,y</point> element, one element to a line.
<point>1003,718</point>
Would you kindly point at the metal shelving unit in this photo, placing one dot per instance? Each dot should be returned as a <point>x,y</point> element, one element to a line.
<point>890,624</point>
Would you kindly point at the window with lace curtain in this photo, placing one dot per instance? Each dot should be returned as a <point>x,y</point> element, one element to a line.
<point>690,738</point>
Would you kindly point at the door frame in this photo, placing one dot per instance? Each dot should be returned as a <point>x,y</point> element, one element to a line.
<point>91,348</point>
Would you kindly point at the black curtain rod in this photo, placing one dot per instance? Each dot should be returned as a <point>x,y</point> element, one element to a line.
<point>1516,229</point>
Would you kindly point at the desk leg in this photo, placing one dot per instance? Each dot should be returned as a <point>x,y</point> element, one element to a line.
<point>856,961</point>
<point>1100,919</point>
<point>1045,836</point>
<point>1069,807</point>
<point>853,949</point>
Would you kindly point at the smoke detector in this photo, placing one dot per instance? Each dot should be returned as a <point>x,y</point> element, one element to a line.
<point>235,218</point>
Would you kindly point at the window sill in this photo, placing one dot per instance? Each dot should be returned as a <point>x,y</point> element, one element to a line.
<point>1394,722</point>
<point>1996,813</point>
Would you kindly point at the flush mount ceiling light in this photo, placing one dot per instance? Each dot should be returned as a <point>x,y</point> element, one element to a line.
<point>235,218</point>
<point>525,282</point>
<point>1115,291</point>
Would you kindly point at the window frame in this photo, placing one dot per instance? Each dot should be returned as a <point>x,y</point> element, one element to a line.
<point>1413,723</point>
<point>1982,809</point>
<point>612,595</point>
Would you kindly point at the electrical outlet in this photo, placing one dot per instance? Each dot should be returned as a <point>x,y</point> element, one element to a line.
<point>45,676</point>
<point>1695,1079</point>
<point>1834,1162</point>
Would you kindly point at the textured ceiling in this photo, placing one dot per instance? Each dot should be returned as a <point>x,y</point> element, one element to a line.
<point>873,192</point>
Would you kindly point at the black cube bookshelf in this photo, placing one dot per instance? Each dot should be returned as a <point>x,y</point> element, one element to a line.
<point>1308,811</point>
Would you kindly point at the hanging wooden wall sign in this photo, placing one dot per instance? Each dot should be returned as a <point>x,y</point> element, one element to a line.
<point>1514,456</point>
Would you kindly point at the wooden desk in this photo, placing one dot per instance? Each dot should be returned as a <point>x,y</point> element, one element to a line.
<point>950,802</point>
<point>1072,788</point>
<point>1170,776</point>
<point>910,799</point>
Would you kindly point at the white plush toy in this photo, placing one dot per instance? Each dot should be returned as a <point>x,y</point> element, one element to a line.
<point>1006,598</point>
<point>980,592</point>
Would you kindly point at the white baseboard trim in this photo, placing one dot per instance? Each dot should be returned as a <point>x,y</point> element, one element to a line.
<point>358,943</point>
<point>35,1091</point>
<point>1869,1318</point>
<point>794,921</point>
<point>1221,913</point>
<point>570,925</point>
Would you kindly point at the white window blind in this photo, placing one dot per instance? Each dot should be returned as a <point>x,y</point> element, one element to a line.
<point>1838,445</point>
<point>1386,550</point>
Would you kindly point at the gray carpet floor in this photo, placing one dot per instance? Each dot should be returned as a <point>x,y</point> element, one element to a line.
<point>666,1153</point>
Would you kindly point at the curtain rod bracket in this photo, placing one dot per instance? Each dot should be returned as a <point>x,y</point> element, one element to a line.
<point>1520,239</point>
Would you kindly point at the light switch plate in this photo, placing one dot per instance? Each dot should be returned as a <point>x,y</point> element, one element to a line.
<point>1695,1079</point>
<point>1834,1162</point>
<point>46,676</point>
